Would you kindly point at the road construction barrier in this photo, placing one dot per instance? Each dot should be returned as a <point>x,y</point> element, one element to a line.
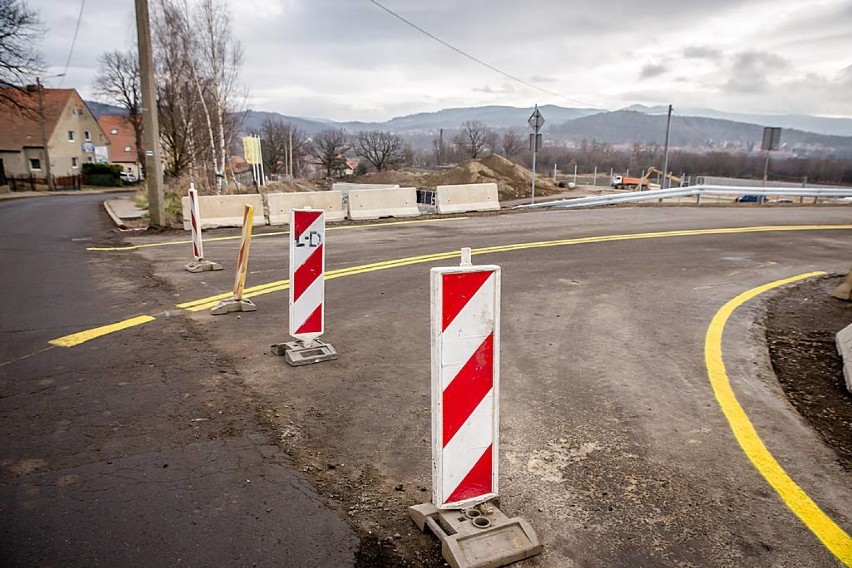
<point>345,188</point>
<point>200,264</point>
<point>465,408</point>
<point>465,384</point>
<point>307,290</point>
<point>467,197</point>
<point>280,205</point>
<point>223,210</point>
<point>377,203</point>
<point>237,303</point>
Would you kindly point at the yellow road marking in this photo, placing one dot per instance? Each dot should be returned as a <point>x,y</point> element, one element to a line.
<point>83,336</point>
<point>273,234</point>
<point>209,302</point>
<point>832,536</point>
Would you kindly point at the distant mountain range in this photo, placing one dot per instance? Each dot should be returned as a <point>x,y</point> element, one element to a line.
<point>697,129</point>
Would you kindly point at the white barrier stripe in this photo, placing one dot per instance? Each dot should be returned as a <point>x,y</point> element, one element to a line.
<point>301,254</point>
<point>197,246</point>
<point>307,303</point>
<point>467,331</point>
<point>468,445</point>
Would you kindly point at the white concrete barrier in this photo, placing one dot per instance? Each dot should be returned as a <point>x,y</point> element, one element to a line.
<point>468,197</point>
<point>280,205</point>
<point>376,203</point>
<point>224,210</point>
<point>345,188</point>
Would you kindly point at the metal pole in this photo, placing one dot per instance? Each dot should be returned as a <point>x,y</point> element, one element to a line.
<point>50,184</point>
<point>575,174</point>
<point>554,172</point>
<point>260,154</point>
<point>150,120</point>
<point>533,168</point>
<point>290,155</point>
<point>766,169</point>
<point>595,178</point>
<point>663,183</point>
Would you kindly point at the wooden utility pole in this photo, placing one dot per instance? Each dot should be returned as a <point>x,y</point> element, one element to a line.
<point>150,120</point>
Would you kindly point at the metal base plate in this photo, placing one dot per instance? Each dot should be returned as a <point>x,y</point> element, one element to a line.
<point>233,305</point>
<point>480,537</point>
<point>202,266</point>
<point>298,353</point>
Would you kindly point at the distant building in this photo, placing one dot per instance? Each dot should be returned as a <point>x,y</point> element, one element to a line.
<point>122,147</point>
<point>71,131</point>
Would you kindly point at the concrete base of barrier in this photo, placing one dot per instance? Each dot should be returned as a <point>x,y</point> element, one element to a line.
<point>280,205</point>
<point>378,203</point>
<point>233,305</point>
<point>298,353</point>
<point>224,210</point>
<point>844,348</point>
<point>481,537</point>
<point>467,197</point>
<point>202,266</point>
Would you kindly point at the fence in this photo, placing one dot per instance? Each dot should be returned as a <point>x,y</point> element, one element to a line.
<point>32,183</point>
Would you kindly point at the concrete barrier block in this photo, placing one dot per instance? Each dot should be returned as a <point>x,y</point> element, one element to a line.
<point>844,348</point>
<point>280,205</point>
<point>345,188</point>
<point>377,203</point>
<point>467,197</point>
<point>224,210</point>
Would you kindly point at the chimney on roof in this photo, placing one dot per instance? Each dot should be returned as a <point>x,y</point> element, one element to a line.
<point>32,88</point>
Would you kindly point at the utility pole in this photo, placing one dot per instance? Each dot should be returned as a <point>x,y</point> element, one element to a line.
<point>40,88</point>
<point>150,120</point>
<point>663,183</point>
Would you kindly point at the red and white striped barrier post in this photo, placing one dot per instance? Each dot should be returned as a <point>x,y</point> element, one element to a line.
<point>465,422</point>
<point>199,264</point>
<point>237,303</point>
<point>307,290</point>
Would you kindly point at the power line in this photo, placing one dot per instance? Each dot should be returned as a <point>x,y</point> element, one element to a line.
<point>73,42</point>
<point>477,60</point>
<point>689,124</point>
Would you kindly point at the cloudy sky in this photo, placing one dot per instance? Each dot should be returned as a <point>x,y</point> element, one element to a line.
<point>350,60</point>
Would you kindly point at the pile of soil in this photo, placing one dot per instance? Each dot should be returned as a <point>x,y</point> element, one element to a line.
<point>801,325</point>
<point>513,181</point>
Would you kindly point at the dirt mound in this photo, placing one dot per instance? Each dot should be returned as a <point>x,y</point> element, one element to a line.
<point>513,180</point>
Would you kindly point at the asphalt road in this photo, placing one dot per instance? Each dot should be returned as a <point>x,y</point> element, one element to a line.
<point>139,449</point>
<point>613,444</point>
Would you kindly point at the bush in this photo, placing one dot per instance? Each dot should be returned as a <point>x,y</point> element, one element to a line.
<point>101,174</point>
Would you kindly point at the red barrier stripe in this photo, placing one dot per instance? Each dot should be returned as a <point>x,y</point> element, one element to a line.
<point>313,323</point>
<point>307,273</point>
<point>458,289</point>
<point>477,482</point>
<point>303,220</point>
<point>468,388</point>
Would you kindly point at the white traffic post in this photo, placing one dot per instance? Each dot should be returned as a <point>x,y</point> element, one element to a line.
<point>237,303</point>
<point>465,383</point>
<point>199,265</point>
<point>465,422</point>
<point>307,290</point>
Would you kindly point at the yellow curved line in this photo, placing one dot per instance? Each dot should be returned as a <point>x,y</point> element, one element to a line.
<point>273,234</point>
<point>826,530</point>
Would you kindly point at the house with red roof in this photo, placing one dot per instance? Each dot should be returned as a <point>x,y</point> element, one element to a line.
<point>122,138</point>
<point>57,124</point>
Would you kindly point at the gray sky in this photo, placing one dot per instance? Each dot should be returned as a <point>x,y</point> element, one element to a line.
<point>349,60</point>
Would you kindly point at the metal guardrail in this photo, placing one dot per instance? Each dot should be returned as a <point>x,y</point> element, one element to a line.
<point>693,191</point>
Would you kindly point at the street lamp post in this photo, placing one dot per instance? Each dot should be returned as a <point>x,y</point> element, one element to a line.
<point>40,88</point>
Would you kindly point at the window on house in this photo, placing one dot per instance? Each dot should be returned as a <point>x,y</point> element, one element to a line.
<point>70,135</point>
<point>87,135</point>
<point>35,164</point>
<point>114,131</point>
<point>91,160</point>
<point>74,162</point>
<point>127,148</point>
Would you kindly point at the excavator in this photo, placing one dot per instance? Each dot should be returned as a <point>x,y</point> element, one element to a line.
<point>641,183</point>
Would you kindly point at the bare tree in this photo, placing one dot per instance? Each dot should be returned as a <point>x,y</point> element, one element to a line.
<point>276,139</point>
<point>117,81</point>
<point>382,149</point>
<point>512,144</point>
<point>329,148</point>
<point>475,139</point>
<point>20,30</point>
